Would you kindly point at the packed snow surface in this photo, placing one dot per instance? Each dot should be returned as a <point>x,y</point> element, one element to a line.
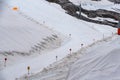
<point>102,62</point>
<point>19,31</point>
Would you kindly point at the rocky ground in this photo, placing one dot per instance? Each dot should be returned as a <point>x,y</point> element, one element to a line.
<point>72,10</point>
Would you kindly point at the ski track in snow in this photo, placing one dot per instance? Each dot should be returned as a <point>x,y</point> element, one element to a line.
<point>60,70</point>
<point>98,64</point>
<point>16,67</point>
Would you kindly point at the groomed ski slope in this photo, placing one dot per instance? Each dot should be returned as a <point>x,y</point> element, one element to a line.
<point>55,18</point>
<point>19,33</point>
<point>101,62</point>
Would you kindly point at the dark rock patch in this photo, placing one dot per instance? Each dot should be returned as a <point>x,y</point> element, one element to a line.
<point>72,10</point>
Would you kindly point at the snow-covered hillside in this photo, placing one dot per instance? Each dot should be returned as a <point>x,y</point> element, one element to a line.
<point>93,5</point>
<point>35,21</point>
<point>101,62</point>
<point>99,3</point>
<point>18,33</point>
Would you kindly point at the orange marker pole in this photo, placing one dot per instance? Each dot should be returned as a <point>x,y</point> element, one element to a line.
<point>118,31</point>
<point>70,50</point>
<point>103,36</point>
<point>70,35</point>
<point>56,58</point>
<point>28,68</point>
<point>15,8</point>
<point>5,62</point>
<point>81,45</point>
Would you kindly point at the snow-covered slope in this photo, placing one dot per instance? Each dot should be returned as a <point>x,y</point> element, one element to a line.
<point>93,5</point>
<point>102,62</point>
<point>99,3</point>
<point>19,33</point>
<point>76,32</point>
